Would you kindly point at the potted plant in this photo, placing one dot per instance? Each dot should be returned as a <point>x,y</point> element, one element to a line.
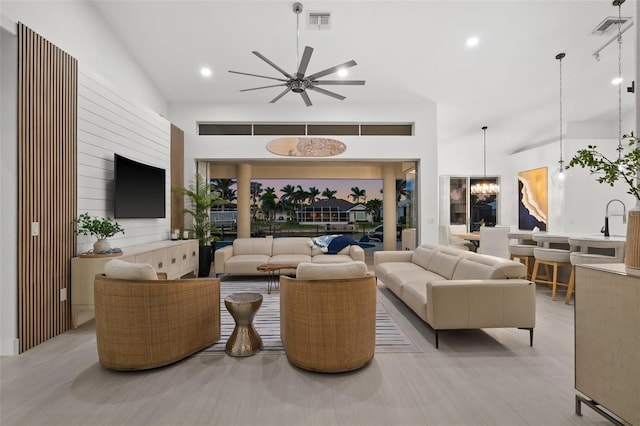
<point>201,198</point>
<point>626,168</point>
<point>102,229</point>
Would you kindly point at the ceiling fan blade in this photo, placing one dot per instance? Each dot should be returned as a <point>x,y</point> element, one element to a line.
<point>304,62</point>
<point>257,75</point>
<point>305,98</point>
<point>340,82</point>
<point>262,87</point>
<point>326,92</point>
<point>264,58</point>
<point>332,70</point>
<point>284,92</point>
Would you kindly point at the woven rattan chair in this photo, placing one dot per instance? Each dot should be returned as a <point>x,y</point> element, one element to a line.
<point>147,324</point>
<point>328,325</point>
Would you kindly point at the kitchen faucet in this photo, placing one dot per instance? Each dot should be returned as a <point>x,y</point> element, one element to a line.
<point>605,228</point>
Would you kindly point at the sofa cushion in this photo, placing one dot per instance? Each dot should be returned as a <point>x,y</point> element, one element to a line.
<point>333,258</point>
<point>443,261</point>
<point>414,294</point>
<point>245,264</point>
<point>327,271</point>
<point>244,246</point>
<point>129,271</point>
<point>291,245</point>
<point>480,267</point>
<point>422,255</point>
<point>289,258</point>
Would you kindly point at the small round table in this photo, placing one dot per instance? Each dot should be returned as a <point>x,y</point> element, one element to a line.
<point>273,281</point>
<point>245,340</point>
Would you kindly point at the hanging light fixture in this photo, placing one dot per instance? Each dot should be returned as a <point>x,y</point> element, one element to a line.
<point>485,187</point>
<point>559,176</point>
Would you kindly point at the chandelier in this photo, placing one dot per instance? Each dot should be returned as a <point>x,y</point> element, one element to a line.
<point>485,187</point>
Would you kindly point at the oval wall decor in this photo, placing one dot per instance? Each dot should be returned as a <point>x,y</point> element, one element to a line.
<point>306,147</point>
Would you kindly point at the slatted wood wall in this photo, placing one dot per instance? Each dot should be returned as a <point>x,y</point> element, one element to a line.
<point>47,110</point>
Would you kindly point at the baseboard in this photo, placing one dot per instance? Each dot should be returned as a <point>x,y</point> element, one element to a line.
<point>9,347</point>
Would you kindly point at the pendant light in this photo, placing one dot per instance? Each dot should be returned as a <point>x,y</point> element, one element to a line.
<point>485,187</point>
<point>559,176</point>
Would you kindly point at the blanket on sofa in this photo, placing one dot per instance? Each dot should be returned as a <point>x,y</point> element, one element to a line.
<point>332,244</point>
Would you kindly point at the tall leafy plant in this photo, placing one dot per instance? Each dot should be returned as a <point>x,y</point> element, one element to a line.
<point>202,198</point>
<point>625,168</point>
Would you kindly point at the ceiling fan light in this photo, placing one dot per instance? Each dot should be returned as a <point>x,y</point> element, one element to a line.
<point>616,81</point>
<point>206,72</point>
<point>473,41</point>
<point>343,72</point>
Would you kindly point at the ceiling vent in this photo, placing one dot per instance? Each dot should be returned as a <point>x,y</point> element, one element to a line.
<point>609,24</point>
<point>319,21</point>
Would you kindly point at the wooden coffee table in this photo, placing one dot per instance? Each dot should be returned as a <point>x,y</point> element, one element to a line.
<point>273,281</point>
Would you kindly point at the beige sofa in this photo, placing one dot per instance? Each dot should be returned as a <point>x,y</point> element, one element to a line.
<point>246,254</point>
<point>454,289</point>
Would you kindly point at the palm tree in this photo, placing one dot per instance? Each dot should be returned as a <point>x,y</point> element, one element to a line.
<point>255,191</point>
<point>313,194</point>
<point>223,186</point>
<point>401,189</point>
<point>358,194</point>
<point>288,199</point>
<point>373,206</point>
<point>268,200</point>
<point>329,193</point>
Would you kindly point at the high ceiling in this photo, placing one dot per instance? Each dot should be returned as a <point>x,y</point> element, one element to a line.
<point>407,51</point>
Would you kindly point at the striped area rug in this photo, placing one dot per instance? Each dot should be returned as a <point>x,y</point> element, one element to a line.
<point>389,336</point>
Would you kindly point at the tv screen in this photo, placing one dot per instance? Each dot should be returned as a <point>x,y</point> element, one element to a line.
<point>139,190</point>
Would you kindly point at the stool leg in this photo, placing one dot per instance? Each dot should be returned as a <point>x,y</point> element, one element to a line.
<point>548,274</point>
<point>536,265</point>
<point>555,282</point>
<point>572,279</point>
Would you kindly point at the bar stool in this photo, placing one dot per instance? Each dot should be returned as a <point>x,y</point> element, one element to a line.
<point>593,250</point>
<point>523,250</point>
<point>554,252</point>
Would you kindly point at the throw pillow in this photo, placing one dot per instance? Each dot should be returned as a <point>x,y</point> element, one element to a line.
<point>129,271</point>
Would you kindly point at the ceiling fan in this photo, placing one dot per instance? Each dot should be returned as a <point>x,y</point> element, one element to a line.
<point>298,82</point>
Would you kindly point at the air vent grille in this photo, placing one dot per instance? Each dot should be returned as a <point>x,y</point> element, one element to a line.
<point>304,129</point>
<point>319,21</point>
<point>610,24</point>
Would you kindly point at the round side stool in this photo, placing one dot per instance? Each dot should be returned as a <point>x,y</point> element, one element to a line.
<point>245,340</point>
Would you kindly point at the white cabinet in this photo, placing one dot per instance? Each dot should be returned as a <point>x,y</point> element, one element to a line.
<point>175,258</point>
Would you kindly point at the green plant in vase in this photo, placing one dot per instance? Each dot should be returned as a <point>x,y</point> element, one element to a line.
<point>201,198</point>
<point>101,228</point>
<point>624,168</point>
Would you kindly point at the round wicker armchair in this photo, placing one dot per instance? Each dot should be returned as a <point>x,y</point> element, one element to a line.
<point>142,324</point>
<point>328,325</point>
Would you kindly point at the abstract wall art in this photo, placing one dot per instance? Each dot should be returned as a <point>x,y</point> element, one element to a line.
<point>306,147</point>
<point>532,199</point>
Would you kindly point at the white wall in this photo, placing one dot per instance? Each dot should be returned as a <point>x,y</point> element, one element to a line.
<point>110,123</point>
<point>421,147</point>
<point>77,28</point>
<point>8,192</point>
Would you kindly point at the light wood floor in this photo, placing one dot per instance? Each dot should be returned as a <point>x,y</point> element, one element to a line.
<point>479,377</point>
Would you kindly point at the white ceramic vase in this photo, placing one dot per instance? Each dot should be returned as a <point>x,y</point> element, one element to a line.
<point>632,249</point>
<point>101,246</point>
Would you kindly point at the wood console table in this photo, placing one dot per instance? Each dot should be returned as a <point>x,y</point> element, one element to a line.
<point>607,338</point>
<point>175,258</point>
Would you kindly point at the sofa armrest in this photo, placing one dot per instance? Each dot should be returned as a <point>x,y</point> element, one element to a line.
<point>464,304</point>
<point>392,256</point>
<point>356,253</point>
<point>220,257</point>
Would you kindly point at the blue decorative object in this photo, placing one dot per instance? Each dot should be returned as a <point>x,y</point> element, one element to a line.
<point>340,242</point>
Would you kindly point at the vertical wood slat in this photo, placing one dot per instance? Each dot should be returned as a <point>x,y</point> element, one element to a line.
<point>177,177</point>
<point>47,110</point>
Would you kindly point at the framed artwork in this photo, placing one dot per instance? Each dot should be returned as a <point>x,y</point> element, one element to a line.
<point>532,199</point>
<point>306,147</point>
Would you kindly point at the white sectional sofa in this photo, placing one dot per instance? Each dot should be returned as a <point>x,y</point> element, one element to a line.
<point>454,289</point>
<point>246,254</point>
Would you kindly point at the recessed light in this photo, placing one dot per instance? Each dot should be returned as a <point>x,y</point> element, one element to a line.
<point>616,81</point>
<point>206,72</point>
<point>473,41</point>
<point>343,72</point>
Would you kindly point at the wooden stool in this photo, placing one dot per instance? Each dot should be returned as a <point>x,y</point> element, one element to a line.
<point>524,254</point>
<point>554,258</point>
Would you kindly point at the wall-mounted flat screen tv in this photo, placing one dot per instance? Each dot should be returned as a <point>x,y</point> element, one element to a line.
<point>140,189</point>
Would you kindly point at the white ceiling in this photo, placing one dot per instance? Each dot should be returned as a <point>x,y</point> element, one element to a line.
<point>407,51</point>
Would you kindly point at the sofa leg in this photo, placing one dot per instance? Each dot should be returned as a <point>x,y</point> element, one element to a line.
<point>530,334</point>
<point>436,338</point>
